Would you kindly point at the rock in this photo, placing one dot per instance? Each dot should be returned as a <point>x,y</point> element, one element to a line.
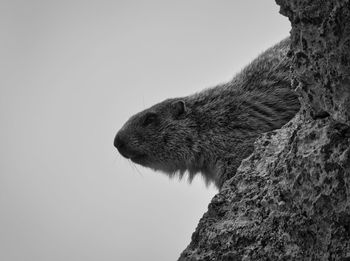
<point>290,200</point>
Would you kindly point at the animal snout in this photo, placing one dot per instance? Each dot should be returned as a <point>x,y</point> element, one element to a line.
<point>121,143</point>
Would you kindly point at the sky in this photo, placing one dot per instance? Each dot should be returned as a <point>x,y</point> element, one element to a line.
<point>72,72</point>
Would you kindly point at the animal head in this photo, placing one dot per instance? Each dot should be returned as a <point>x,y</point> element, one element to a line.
<point>161,137</point>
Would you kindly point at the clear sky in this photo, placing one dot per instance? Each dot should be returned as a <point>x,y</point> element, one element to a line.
<point>72,72</point>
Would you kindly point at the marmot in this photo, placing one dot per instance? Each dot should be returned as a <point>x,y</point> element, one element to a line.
<point>210,132</point>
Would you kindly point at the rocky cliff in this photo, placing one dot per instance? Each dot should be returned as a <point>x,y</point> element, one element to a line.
<point>290,200</point>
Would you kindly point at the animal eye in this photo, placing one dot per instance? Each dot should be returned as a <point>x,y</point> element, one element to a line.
<point>149,119</point>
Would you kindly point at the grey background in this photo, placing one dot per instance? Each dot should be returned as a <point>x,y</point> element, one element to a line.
<point>72,72</point>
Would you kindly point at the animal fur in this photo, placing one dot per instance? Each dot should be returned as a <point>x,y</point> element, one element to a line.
<point>210,132</point>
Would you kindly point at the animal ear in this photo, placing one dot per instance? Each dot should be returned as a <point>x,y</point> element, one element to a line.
<point>178,108</point>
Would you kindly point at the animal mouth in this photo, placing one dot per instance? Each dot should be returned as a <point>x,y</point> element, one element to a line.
<point>139,159</point>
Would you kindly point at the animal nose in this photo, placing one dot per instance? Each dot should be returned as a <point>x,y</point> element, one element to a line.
<point>120,144</point>
<point>118,141</point>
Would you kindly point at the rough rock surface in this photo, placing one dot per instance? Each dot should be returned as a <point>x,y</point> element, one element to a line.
<point>290,200</point>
